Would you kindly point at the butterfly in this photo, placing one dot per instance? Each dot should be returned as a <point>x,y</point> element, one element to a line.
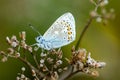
<point>62,32</point>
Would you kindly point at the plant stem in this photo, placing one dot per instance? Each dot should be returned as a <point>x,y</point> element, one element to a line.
<point>83,32</point>
<point>31,67</point>
<point>35,59</point>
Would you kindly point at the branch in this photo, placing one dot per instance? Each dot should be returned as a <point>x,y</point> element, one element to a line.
<point>83,32</point>
<point>31,67</point>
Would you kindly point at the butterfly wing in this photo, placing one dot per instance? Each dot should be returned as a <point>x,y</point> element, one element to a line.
<point>62,31</point>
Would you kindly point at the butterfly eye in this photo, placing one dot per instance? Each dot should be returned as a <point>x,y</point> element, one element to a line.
<point>39,38</point>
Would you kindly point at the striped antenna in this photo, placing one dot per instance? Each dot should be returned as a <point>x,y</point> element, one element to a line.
<point>34,29</point>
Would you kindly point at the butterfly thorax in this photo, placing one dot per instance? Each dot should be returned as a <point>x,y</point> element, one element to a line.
<point>41,42</point>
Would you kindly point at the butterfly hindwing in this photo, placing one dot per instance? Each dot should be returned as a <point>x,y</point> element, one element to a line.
<point>62,31</point>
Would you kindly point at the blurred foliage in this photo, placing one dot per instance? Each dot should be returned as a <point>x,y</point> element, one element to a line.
<point>102,40</point>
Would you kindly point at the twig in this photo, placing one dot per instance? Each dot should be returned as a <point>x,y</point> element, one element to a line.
<point>83,32</point>
<point>35,59</point>
<point>88,24</point>
<point>31,67</point>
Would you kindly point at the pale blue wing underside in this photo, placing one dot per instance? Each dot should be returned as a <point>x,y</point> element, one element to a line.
<point>62,31</point>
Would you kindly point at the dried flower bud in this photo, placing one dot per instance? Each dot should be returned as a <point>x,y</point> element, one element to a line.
<point>93,14</point>
<point>17,54</point>
<point>55,66</point>
<point>43,54</point>
<point>86,70</point>
<point>54,76</point>
<point>41,65</point>
<point>73,49</point>
<point>8,40</point>
<point>45,68</point>
<point>2,52</point>
<point>42,61</point>
<point>90,61</point>
<point>33,73</point>
<point>23,44</point>
<point>99,19</point>
<point>104,2</point>
<point>29,48</point>
<point>65,68</point>
<point>23,69</point>
<point>81,54</point>
<point>22,76</point>
<point>95,73</point>
<point>23,35</point>
<point>50,60</point>
<point>100,64</point>
<point>60,70</point>
<point>4,59</point>
<point>14,44</point>
<point>59,62</point>
<point>10,50</point>
<point>17,78</point>
<point>80,65</point>
<point>36,48</point>
<point>60,55</point>
<point>13,38</point>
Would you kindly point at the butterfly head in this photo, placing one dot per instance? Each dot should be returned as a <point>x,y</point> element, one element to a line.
<point>39,39</point>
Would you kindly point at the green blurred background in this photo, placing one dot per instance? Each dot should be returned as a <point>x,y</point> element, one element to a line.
<point>102,41</point>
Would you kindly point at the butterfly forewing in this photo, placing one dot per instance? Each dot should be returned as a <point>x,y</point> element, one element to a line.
<point>62,31</point>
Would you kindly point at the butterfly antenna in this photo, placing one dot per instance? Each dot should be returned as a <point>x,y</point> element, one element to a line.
<point>34,29</point>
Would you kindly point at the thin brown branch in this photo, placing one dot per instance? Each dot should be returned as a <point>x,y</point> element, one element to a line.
<point>35,59</point>
<point>31,66</point>
<point>83,32</point>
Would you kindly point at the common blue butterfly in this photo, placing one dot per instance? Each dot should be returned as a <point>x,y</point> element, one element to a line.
<point>61,33</point>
